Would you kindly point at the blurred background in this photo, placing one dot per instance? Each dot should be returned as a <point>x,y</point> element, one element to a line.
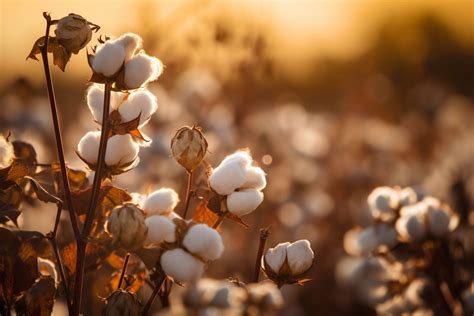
<point>332,97</point>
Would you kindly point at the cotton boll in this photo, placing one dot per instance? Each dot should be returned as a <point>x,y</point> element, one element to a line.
<point>141,103</point>
<point>411,227</point>
<point>88,147</point>
<point>438,221</point>
<point>108,59</point>
<point>141,69</point>
<point>130,42</point>
<point>181,266</point>
<point>382,202</point>
<point>121,150</point>
<point>242,157</point>
<point>275,257</point>
<point>95,101</point>
<point>407,196</point>
<point>161,202</point>
<point>255,179</point>
<point>358,242</point>
<point>204,242</point>
<point>300,256</point>
<point>7,153</point>
<point>160,228</point>
<point>266,295</point>
<point>243,202</point>
<point>226,178</point>
<point>386,235</point>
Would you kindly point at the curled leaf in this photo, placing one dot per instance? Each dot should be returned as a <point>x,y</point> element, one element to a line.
<point>41,192</point>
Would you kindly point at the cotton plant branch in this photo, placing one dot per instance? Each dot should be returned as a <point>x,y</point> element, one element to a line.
<point>124,269</point>
<point>158,283</point>
<point>264,233</point>
<point>189,193</point>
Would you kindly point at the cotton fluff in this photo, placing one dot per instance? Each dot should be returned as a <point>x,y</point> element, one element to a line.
<point>95,101</point>
<point>161,202</point>
<point>255,179</point>
<point>243,202</point>
<point>141,103</point>
<point>275,257</point>
<point>407,196</point>
<point>121,150</point>
<point>141,69</point>
<point>438,221</point>
<point>6,153</point>
<point>204,242</point>
<point>160,228</point>
<point>88,147</point>
<point>108,59</point>
<point>300,256</point>
<point>181,266</point>
<point>130,42</point>
<point>228,177</point>
<point>383,201</point>
<point>265,295</point>
<point>411,227</point>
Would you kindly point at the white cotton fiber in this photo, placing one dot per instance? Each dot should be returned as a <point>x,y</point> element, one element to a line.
<point>141,103</point>
<point>275,257</point>
<point>141,69</point>
<point>160,228</point>
<point>181,266</point>
<point>130,42</point>
<point>407,196</point>
<point>255,179</point>
<point>204,241</point>
<point>228,177</point>
<point>241,156</point>
<point>300,256</point>
<point>121,150</point>
<point>108,59</point>
<point>438,221</point>
<point>243,202</point>
<point>95,101</point>
<point>88,147</point>
<point>383,201</point>
<point>161,202</point>
<point>411,227</point>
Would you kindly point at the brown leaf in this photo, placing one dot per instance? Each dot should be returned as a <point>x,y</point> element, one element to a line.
<point>34,247</point>
<point>61,55</point>
<point>95,255</point>
<point>9,215</point>
<point>24,152</point>
<point>41,192</point>
<point>35,50</point>
<point>39,299</point>
<point>10,198</point>
<point>17,170</point>
<point>204,215</point>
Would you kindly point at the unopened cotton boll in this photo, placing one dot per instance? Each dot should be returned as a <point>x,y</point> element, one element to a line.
<point>108,59</point>
<point>204,241</point>
<point>411,227</point>
<point>227,177</point>
<point>438,221</point>
<point>126,225</point>
<point>255,179</point>
<point>275,257</point>
<point>141,103</point>
<point>161,202</point>
<point>243,202</point>
<point>121,150</point>
<point>181,266</point>
<point>160,229</point>
<point>300,256</point>
<point>88,147</point>
<point>130,42</point>
<point>141,69</point>
<point>382,202</point>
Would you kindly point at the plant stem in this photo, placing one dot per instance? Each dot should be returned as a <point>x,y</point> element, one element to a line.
<point>165,294</point>
<point>188,194</point>
<point>124,268</point>
<point>219,220</point>
<point>264,233</point>
<point>149,303</point>
<point>57,129</point>
<point>82,242</point>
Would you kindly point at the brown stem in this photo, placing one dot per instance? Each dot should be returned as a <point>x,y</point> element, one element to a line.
<point>57,129</point>
<point>165,294</point>
<point>149,303</point>
<point>264,233</point>
<point>219,220</point>
<point>188,194</point>
<point>124,269</point>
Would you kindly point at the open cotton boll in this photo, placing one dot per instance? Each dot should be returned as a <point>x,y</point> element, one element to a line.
<point>204,241</point>
<point>243,202</point>
<point>407,196</point>
<point>160,202</point>
<point>438,221</point>
<point>95,101</point>
<point>160,228</point>
<point>300,256</point>
<point>7,153</point>
<point>130,42</point>
<point>108,58</point>
<point>227,177</point>
<point>241,156</point>
<point>411,227</point>
<point>181,266</point>
<point>358,242</point>
<point>141,103</point>
<point>141,69</point>
<point>121,150</point>
<point>275,257</point>
<point>255,179</point>
<point>88,147</point>
<point>382,202</point>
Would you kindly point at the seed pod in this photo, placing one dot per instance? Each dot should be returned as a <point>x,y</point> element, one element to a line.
<point>122,303</point>
<point>73,32</point>
<point>189,147</point>
<point>126,225</point>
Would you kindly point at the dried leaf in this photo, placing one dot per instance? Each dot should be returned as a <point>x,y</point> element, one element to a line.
<point>24,152</point>
<point>35,50</point>
<point>9,215</point>
<point>41,192</point>
<point>95,255</point>
<point>10,198</point>
<point>61,56</point>
<point>17,170</point>
<point>204,215</point>
<point>39,299</point>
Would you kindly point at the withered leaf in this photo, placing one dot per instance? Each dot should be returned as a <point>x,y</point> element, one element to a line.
<point>61,55</point>
<point>10,198</point>
<point>24,152</point>
<point>41,192</point>
<point>9,215</point>
<point>95,255</point>
<point>17,171</point>
<point>204,215</point>
<point>39,299</point>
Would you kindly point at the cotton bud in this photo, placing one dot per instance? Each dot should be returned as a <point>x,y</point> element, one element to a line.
<point>231,174</point>
<point>6,153</point>
<point>126,225</point>
<point>383,201</point>
<point>122,303</point>
<point>255,179</point>
<point>204,241</point>
<point>265,296</point>
<point>411,227</point>
<point>181,266</point>
<point>161,202</point>
<point>189,146</point>
<point>108,59</point>
<point>73,32</point>
<point>160,229</point>
<point>141,69</point>
<point>243,202</point>
<point>131,43</point>
<point>141,103</point>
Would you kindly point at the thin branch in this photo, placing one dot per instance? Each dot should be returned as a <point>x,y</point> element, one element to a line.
<point>219,220</point>
<point>149,303</point>
<point>57,129</point>
<point>188,193</point>
<point>124,269</point>
<point>264,233</point>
